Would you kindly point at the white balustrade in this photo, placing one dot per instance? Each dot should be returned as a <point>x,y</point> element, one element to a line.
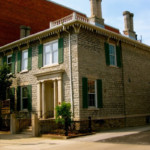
<point>73,16</point>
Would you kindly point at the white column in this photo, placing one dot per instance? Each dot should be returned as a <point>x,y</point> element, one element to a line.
<point>39,99</point>
<point>59,91</point>
<point>55,97</point>
<point>43,101</point>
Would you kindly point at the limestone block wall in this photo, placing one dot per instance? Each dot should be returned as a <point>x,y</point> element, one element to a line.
<point>92,64</point>
<point>136,66</point>
<point>28,78</point>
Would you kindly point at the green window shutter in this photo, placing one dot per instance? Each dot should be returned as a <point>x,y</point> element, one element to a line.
<point>13,63</point>
<point>85,92</point>
<point>12,99</point>
<point>18,98</point>
<point>118,54</point>
<point>4,60</point>
<point>107,53</point>
<point>1,61</point>
<point>19,61</point>
<point>99,94</point>
<point>40,55</point>
<point>30,58</point>
<point>29,97</point>
<point>61,50</point>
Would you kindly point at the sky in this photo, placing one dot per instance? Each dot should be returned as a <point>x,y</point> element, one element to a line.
<point>112,11</point>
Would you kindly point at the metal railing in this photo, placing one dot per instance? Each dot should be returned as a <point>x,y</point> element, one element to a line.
<point>48,114</point>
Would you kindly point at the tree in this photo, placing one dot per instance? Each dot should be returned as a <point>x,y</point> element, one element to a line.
<point>5,83</point>
<point>5,80</point>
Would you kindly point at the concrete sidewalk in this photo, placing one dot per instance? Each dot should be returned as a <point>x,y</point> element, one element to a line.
<point>24,142</point>
<point>112,134</point>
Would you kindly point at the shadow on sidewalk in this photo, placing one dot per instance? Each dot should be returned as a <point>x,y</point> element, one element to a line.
<point>8,136</point>
<point>142,138</point>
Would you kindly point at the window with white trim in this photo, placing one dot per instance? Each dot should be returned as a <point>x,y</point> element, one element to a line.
<point>50,53</point>
<point>112,55</point>
<point>92,93</point>
<point>24,63</point>
<point>24,98</point>
<point>9,61</point>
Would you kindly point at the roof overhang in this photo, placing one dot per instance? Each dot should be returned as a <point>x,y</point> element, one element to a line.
<point>59,28</point>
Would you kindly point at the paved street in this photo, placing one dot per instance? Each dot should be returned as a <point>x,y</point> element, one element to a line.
<point>114,140</point>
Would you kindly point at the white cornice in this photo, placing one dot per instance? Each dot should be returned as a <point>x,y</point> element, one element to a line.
<point>87,26</point>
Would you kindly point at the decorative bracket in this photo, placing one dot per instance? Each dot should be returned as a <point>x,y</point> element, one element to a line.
<point>77,29</point>
<point>58,34</point>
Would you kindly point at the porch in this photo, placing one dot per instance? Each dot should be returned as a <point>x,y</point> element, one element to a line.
<point>49,93</point>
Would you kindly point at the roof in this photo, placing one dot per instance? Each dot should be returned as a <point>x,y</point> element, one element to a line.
<point>76,22</point>
<point>34,13</point>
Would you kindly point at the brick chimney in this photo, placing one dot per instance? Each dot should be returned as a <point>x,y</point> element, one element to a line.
<point>128,24</point>
<point>96,13</point>
<point>24,31</point>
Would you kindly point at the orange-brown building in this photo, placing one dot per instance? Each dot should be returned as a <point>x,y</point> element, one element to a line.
<point>33,13</point>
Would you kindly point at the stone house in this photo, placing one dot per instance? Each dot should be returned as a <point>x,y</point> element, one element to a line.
<point>103,74</point>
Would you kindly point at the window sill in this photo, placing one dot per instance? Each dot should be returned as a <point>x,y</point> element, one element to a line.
<point>24,111</point>
<point>49,66</point>
<point>24,71</point>
<point>112,66</point>
<point>92,108</point>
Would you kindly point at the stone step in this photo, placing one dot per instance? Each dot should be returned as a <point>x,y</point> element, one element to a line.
<point>27,130</point>
<point>26,133</point>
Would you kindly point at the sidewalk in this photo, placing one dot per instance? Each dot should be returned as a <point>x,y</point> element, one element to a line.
<point>112,134</point>
<point>24,142</point>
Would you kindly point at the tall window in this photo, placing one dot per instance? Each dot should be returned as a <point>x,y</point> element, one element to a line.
<point>24,64</point>
<point>24,98</point>
<point>9,61</point>
<point>112,55</point>
<point>50,53</point>
<point>91,93</point>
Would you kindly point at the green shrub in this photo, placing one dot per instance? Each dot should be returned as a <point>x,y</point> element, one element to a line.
<point>62,112</point>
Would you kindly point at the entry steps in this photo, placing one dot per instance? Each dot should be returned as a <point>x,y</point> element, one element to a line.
<point>27,131</point>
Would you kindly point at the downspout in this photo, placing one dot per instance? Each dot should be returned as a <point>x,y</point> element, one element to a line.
<point>70,68</point>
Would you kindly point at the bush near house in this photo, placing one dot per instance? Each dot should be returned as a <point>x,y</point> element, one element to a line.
<point>63,112</point>
<point>63,116</point>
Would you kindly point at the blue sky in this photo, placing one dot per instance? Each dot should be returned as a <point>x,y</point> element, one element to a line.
<point>112,13</point>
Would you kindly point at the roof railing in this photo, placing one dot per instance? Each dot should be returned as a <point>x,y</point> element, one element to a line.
<point>73,16</point>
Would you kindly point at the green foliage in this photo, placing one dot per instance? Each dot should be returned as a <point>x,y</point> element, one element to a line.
<point>63,112</point>
<point>5,80</point>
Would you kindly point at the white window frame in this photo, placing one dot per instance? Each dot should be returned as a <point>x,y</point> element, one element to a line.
<point>51,54</point>
<point>7,59</point>
<point>22,99</point>
<point>9,63</point>
<point>95,82</point>
<point>22,61</point>
<point>113,55</point>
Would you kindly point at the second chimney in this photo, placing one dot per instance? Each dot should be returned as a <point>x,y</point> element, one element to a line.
<point>128,24</point>
<point>96,13</point>
<point>24,31</point>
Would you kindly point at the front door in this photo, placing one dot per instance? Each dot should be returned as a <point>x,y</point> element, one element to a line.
<point>49,99</point>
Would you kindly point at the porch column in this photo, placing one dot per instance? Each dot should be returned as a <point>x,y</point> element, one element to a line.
<point>39,99</point>
<point>43,101</point>
<point>55,97</point>
<point>59,91</point>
